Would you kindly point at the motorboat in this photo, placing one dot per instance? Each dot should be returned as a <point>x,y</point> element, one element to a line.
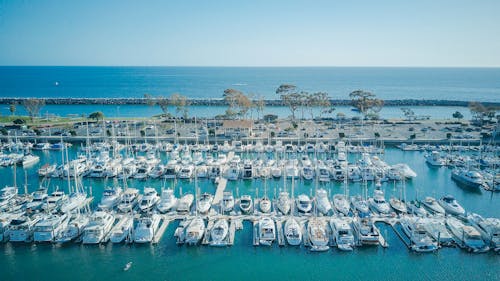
<point>317,234</point>
<point>48,228</point>
<point>167,202</point>
<point>46,170</point>
<point>378,202</point>
<point>21,229</point>
<point>149,199</point>
<point>128,200</point>
<point>54,201</point>
<point>437,229</point>
<point>233,172</point>
<point>304,203</point>
<point>146,228</point>
<point>451,206</point>
<point>432,204</point>
<point>404,170</point>
<point>110,198</point>
<point>122,230</point>
<point>293,232</point>
<point>186,172</point>
<point>184,204</point>
<point>246,204</point>
<point>360,205</point>
<point>29,159</point>
<point>420,240</point>
<point>227,203</point>
<point>368,233</point>
<point>99,226</point>
<point>247,170</point>
<point>435,159</point>
<point>323,205</point>
<point>75,201</point>
<point>468,236</point>
<point>398,205</point>
<point>489,229</point>
<point>416,208</point>
<point>467,177</point>
<point>39,197</point>
<point>5,220</point>
<point>307,173</point>
<point>219,232</point>
<point>267,231</point>
<point>205,202</point>
<point>341,204</point>
<point>342,233</point>
<point>283,202</point>
<point>6,194</point>
<point>74,229</point>
<point>195,231</point>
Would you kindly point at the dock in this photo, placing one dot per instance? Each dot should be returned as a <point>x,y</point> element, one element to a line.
<point>219,192</point>
<point>256,233</point>
<point>161,230</point>
<point>232,230</point>
<point>279,232</point>
<point>206,236</point>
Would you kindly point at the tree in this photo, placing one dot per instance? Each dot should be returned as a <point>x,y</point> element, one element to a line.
<point>12,108</point>
<point>181,104</point>
<point>290,97</point>
<point>408,113</point>
<point>458,115</point>
<point>238,103</point>
<point>161,101</point>
<point>33,107</point>
<point>96,116</point>
<point>259,106</point>
<point>366,102</point>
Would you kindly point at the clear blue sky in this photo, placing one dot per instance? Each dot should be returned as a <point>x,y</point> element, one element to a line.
<point>251,33</point>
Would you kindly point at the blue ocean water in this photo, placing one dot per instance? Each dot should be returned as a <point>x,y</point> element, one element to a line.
<point>480,84</point>
<point>242,261</point>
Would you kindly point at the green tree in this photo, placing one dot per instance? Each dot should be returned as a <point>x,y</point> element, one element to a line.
<point>290,97</point>
<point>181,104</point>
<point>161,101</point>
<point>259,106</point>
<point>96,116</point>
<point>408,113</point>
<point>366,102</point>
<point>458,115</point>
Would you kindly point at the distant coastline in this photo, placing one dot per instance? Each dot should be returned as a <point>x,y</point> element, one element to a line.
<point>221,102</point>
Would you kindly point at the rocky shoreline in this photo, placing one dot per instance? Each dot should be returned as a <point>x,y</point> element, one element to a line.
<point>221,102</point>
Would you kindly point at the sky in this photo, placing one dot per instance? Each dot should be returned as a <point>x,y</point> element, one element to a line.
<point>420,33</point>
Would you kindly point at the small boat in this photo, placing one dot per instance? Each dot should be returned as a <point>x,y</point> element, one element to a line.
<point>267,231</point>
<point>432,204</point>
<point>342,233</point>
<point>467,235</point>
<point>420,240</point>
<point>127,266</point>
<point>304,203</point>
<point>451,206</point>
<point>195,231</point>
<point>227,203</point>
<point>167,202</point>
<point>283,203</point>
<point>246,204</point>
<point>378,202</point>
<point>322,203</point>
<point>146,228</point>
<point>293,232</point>
<point>341,204</point>
<point>265,205</point>
<point>317,234</point>
<point>368,233</point>
<point>219,232</point>
<point>46,170</point>
<point>205,202</point>
<point>184,204</point>
<point>148,200</point>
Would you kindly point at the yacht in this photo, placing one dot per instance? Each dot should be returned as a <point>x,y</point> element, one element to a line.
<point>489,229</point>
<point>267,231</point>
<point>195,231</point>
<point>149,199</point>
<point>48,228</point>
<point>451,206</point>
<point>341,204</point>
<point>219,232</point>
<point>432,204</point>
<point>435,159</point>
<point>99,226</point>
<point>46,170</point>
<point>110,198</point>
<point>467,235</point>
<point>167,202</point>
<point>304,203</point>
<point>293,232</point>
<point>75,201</point>
<point>74,229</point>
<point>467,177</point>
<point>247,170</point>
<point>5,220</point>
<point>39,197</point>
<point>368,233</point>
<point>307,173</point>
<point>437,229</point>
<point>29,159</point>
<point>283,203</point>
<point>342,233</point>
<point>186,172</point>
<point>227,203</point>
<point>360,205</point>
<point>420,240</point>
<point>317,234</point>
<point>246,204</point>
<point>22,228</point>
<point>323,173</point>
<point>265,205</point>
<point>171,170</point>
<point>378,202</point>
<point>233,172</point>
<point>122,230</point>
<point>323,205</point>
<point>6,194</point>
<point>415,207</point>
<point>184,204</point>
<point>128,200</point>
<point>146,228</point>
<point>205,202</point>
<point>54,201</point>
<point>398,205</point>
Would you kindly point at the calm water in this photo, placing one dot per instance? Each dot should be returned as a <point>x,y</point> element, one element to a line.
<point>167,261</point>
<point>481,84</point>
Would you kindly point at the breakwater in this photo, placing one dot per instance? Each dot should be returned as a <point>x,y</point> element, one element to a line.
<point>222,102</point>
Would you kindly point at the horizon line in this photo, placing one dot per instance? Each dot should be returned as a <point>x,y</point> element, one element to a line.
<point>253,66</point>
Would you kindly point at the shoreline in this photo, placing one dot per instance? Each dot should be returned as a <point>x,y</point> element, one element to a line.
<point>222,102</point>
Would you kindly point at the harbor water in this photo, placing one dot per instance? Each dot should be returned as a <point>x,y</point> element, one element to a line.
<point>168,261</point>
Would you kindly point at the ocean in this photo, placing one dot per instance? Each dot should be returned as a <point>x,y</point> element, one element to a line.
<point>242,261</point>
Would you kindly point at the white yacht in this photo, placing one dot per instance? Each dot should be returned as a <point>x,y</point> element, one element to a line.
<point>146,228</point>
<point>436,228</point>
<point>435,159</point>
<point>167,202</point>
<point>265,204</point>
<point>283,203</point>
<point>49,227</point>
<point>233,172</point>
<point>432,204</point>
<point>74,229</point>
<point>247,170</point>
<point>360,205</point>
<point>341,204</point>
<point>267,231</point>
<point>342,233</point>
<point>54,201</point>
<point>47,170</point>
<point>378,202</point>
<point>22,228</point>
<point>451,206</point>
<point>186,172</point>
<point>368,233</point>
<point>317,234</point>
<point>227,203</point>
<point>184,204</point>
<point>171,171</point>
<point>489,229</point>
<point>110,198</point>
<point>304,203</point>
<point>307,172</point>
<point>398,205</point>
<point>467,235</point>
<point>39,197</point>
<point>293,232</point>
<point>128,200</point>
<point>322,203</point>
<point>99,226</point>
<point>205,203</point>
<point>195,231</point>
<point>219,232</point>
<point>416,208</point>
<point>149,199</point>
<point>29,159</point>
<point>5,220</point>
<point>6,194</point>
<point>75,201</point>
<point>122,230</point>
<point>420,240</point>
<point>467,177</point>
<point>246,204</point>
